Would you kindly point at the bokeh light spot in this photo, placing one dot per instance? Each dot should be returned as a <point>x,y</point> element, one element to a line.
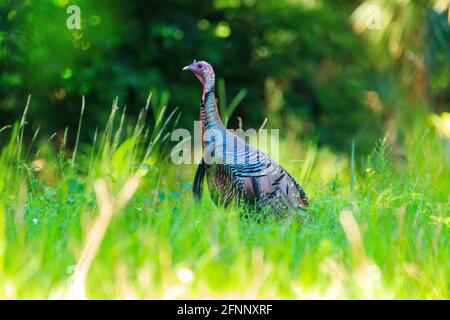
<point>12,14</point>
<point>223,30</point>
<point>95,20</point>
<point>185,275</point>
<point>67,73</point>
<point>203,24</point>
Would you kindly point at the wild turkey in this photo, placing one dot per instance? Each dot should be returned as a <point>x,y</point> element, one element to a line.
<point>235,171</point>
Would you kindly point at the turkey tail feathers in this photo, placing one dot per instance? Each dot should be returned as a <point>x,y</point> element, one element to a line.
<point>198,181</point>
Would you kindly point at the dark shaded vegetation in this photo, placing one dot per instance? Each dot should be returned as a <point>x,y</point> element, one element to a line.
<point>307,68</point>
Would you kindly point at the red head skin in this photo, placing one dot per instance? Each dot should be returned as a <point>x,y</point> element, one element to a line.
<point>205,73</point>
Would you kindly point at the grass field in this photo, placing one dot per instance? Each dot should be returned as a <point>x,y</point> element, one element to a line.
<point>102,222</point>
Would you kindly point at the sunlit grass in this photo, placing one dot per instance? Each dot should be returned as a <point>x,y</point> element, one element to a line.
<point>121,223</point>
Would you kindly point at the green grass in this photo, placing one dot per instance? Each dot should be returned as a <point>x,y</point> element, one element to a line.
<point>378,226</point>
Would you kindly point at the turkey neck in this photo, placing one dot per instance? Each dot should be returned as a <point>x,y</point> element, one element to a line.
<point>209,114</point>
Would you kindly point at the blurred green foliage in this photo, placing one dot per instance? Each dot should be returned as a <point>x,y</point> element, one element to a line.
<point>303,64</point>
<point>437,57</point>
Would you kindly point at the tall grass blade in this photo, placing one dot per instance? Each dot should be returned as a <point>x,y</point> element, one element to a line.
<point>352,168</point>
<point>75,150</point>
<point>22,128</point>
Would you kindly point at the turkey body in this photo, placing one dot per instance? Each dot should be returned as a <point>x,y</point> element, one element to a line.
<point>237,172</point>
<point>234,170</point>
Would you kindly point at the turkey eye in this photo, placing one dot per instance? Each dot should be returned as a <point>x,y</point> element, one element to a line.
<point>200,66</point>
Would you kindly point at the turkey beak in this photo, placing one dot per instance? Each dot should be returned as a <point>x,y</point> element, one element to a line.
<point>189,67</point>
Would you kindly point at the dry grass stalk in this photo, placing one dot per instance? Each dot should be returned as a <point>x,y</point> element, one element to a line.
<point>108,206</point>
